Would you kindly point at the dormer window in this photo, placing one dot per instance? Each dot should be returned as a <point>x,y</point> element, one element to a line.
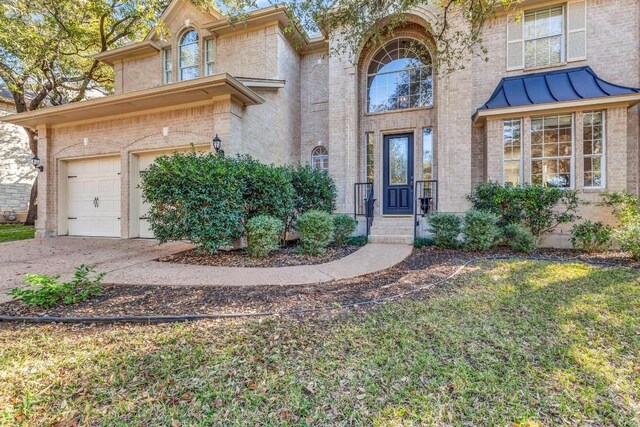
<point>189,55</point>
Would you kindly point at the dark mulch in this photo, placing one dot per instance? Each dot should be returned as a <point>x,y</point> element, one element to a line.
<point>423,267</point>
<point>283,257</point>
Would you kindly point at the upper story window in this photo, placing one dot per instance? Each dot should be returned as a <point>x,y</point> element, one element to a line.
<point>547,36</point>
<point>189,55</point>
<point>320,158</point>
<point>210,56</point>
<point>400,76</point>
<point>543,37</point>
<point>167,63</point>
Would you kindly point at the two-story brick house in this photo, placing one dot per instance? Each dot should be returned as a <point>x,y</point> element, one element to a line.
<point>556,104</point>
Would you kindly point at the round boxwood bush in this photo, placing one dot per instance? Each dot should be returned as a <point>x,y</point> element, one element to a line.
<point>263,235</point>
<point>344,226</point>
<point>316,230</point>
<point>480,230</point>
<point>445,228</point>
<point>520,238</point>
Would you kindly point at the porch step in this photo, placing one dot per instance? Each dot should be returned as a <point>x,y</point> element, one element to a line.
<point>394,230</point>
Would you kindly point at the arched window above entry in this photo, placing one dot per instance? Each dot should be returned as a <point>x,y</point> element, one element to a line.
<point>400,76</point>
<point>189,55</point>
<point>320,158</point>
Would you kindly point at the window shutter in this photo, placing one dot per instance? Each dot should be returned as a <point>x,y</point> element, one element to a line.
<point>515,42</point>
<point>576,31</point>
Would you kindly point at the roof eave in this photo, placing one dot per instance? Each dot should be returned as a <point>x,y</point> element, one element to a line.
<point>628,100</point>
<point>139,101</point>
<point>134,50</point>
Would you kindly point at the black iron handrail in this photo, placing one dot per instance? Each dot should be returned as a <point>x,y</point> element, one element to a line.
<point>426,203</point>
<point>363,202</point>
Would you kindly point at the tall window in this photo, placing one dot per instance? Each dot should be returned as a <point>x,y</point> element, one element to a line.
<point>593,149</point>
<point>400,76</point>
<point>512,151</point>
<point>427,154</point>
<point>189,56</point>
<point>210,56</point>
<point>369,156</point>
<point>168,65</point>
<point>320,158</point>
<point>552,151</point>
<point>543,37</point>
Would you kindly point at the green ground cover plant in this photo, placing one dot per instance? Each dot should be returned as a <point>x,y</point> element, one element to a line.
<point>13,232</point>
<point>46,291</point>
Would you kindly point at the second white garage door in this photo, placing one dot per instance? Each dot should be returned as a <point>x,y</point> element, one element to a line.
<point>94,197</point>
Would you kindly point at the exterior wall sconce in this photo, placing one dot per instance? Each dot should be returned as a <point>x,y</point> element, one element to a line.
<point>35,161</point>
<point>217,143</point>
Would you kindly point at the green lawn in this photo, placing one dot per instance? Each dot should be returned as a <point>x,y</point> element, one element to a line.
<point>11,232</point>
<point>510,343</point>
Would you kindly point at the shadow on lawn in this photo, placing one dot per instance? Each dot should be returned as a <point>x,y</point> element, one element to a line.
<point>510,342</point>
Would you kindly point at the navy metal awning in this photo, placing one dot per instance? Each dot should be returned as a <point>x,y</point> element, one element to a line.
<point>572,84</point>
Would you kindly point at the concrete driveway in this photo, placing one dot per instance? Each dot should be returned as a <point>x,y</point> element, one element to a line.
<point>60,256</point>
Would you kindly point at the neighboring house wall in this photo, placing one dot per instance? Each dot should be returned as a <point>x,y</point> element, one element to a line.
<point>16,172</point>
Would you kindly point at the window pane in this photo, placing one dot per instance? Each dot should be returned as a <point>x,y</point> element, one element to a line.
<point>398,161</point>
<point>543,30</point>
<point>427,154</point>
<point>369,154</point>
<point>511,140</point>
<point>593,136</point>
<point>551,158</point>
<point>189,56</point>
<point>400,77</point>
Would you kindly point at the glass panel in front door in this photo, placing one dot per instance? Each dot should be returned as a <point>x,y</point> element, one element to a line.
<point>398,160</point>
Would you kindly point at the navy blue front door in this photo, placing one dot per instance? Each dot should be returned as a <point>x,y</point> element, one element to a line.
<point>398,174</point>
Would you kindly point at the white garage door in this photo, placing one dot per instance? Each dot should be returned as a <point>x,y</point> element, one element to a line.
<point>144,161</point>
<point>94,197</point>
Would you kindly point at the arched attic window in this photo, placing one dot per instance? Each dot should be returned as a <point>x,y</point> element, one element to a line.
<point>400,76</point>
<point>189,55</point>
<point>320,158</point>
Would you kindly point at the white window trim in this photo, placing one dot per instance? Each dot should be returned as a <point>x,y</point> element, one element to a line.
<point>563,38</point>
<point>209,60</point>
<point>573,152</point>
<point>603,156</point>
<point>521,162</point>
<point>323,157</point>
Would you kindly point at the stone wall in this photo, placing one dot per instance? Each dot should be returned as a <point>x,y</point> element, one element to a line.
<point>16,172</point>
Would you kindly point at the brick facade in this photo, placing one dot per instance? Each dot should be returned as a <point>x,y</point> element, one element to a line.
<point>323,102</point>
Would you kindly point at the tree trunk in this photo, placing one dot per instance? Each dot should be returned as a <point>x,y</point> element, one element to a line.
<point>32,214</point>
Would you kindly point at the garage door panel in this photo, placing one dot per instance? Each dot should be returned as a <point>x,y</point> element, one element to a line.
<point>94,197</point>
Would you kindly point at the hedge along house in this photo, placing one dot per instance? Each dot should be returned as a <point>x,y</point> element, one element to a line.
<point>383,123</point>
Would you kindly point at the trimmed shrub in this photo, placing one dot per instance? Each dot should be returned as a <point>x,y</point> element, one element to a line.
<point>357,241</point>
<point>344,226</point>
<point>195,197</point>
<point>591,236</point>
<point>445,228</point>
<point>422,242</point>
<point>263,235</point>
<point>540,209</point>
<point>480,230</point>
<point>626,208</point>
<point>266,189</point>
<point>316,231</point>
<point>628,236</point>
<point>313,190</point>
<point>46,292</point>
<point>519,238</point>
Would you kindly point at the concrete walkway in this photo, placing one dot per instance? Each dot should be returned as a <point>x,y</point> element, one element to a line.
<point>132,262</point>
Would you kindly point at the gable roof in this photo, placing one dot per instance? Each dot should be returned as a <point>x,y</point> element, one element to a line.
<point>553,89</point>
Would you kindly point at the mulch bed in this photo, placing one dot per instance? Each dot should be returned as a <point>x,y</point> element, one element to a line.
<point>424,266</point>
<point>283,257</point>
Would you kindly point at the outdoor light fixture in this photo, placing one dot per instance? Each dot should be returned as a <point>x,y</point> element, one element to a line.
<point>217,143</point>
<point>35,161</point>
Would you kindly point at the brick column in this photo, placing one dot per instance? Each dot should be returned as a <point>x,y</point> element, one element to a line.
<point>46,222</point>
